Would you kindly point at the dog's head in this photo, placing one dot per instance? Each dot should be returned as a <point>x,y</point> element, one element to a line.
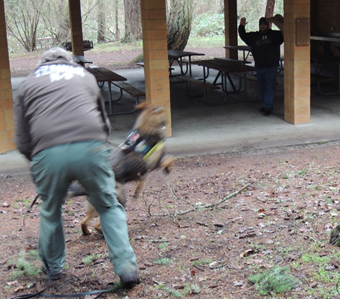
<point>151,121</point>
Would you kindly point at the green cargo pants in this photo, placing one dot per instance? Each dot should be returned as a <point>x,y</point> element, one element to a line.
<point>53,170</point>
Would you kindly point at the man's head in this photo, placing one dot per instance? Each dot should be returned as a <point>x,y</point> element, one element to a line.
<point>54,54</point>
<point>263,24</point>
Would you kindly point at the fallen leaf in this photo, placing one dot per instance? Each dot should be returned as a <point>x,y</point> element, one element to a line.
<point>178,286</point>
<point>247,253</point>
<point>213,286</point>
<point>19,289</point>
<point>12,282</point>
<point>238,283</point>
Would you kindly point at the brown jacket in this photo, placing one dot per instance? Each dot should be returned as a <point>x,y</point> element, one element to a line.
<point>58,103</point>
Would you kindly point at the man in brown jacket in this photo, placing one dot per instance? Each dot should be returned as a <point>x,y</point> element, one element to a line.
<point>62,127</point>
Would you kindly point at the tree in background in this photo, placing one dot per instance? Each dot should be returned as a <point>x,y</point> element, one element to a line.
<point>179,18</point>
<point>253,10</point>
<point>58,28</point>
<point>22,20</point>
<point>133,21</point>
<point>101,22</point>
<point>270,8</point>
<point>117,31</point>
<point>30,21</point>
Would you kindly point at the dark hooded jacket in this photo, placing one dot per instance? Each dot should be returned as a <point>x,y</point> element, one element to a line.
<point>265,46</point>
<point>58,103</point>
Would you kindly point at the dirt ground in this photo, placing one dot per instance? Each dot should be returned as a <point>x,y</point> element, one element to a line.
<point>21,66</point>
<point>190,237</point>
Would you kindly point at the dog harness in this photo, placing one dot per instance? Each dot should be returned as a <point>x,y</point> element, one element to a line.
<point>134,142</point>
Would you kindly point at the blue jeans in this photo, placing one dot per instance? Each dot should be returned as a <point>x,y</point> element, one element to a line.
<point>53,170</point>
<point>267,85</point>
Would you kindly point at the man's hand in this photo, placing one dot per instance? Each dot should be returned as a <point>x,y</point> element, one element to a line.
<point>243,21</point>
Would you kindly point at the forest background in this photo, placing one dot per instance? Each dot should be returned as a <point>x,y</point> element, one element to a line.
<point>35,25</point>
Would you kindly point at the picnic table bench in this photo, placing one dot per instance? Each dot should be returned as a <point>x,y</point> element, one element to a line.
<point>103,75</point>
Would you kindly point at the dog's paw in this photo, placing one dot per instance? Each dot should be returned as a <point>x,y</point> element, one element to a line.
<point>98,228</point>
<point>168,164</point>
<point>85,229</point>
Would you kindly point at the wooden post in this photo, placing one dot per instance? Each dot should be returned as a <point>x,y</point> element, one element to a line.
<point>76,27</point>
<point>230,23</point>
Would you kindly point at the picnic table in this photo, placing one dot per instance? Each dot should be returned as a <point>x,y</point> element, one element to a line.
<point>328,58</point>
<point>178,56</point>
<point>103,75</point>
<point>81,60</point>
<point>246,50</point>
<point>224,68</point>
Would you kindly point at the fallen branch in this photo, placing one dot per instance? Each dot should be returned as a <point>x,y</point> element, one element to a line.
<point>206,206</point>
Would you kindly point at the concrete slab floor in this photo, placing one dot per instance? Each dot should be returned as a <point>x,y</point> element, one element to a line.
<point>237,125</point>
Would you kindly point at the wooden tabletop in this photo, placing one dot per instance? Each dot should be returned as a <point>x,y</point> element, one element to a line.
<point>325,38</point>
<point>78,58</point>
<point>240,48</point>
<point>104,75</point>
<point>225,65</point>
<point>178,54</point>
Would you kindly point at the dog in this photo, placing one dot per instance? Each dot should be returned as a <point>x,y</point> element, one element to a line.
<point>143,151</point>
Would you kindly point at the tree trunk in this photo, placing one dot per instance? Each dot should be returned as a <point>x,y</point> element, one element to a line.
<point>117,33</point>
<point>270,8</point>
<point>179,17</point>
<point>221,7</point>
<point>101,22</point>
<point>133,21</point>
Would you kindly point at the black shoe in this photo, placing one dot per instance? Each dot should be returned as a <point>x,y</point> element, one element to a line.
<point>129,280</point>
<point>267,111</point>
<point>52,276</point>
<point>262,109</point>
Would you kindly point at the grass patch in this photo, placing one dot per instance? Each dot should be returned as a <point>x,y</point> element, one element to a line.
<point>201,262</point>
<point>163,246</point>
<point>194,289</point>
<point>162,261</point>
<point>90,258</point>
<point>274,280</point>
<point>24,267</point>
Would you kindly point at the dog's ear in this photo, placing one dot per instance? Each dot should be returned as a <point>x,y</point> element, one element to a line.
<point>141,105</point>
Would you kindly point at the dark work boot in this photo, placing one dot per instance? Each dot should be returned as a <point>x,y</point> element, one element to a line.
<point>267,111</point>
<point>130,279</point>
<point>51,276</point>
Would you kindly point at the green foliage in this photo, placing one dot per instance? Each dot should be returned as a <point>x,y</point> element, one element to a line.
<point>201,262</point>
<point>24,267</point>
<point>315,258</point>
<point>274,280</point>
<point>163,246</point>
<point>173,292</point>
<point>177,294</point>
<point>34,254</point>
<point>90,258</point>
<point>195,288</point>
<point>325,276</point>
<point>208,25</point>
<point>162,261</point>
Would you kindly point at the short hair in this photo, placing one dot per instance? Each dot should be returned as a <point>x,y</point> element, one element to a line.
<point>54,54</point>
